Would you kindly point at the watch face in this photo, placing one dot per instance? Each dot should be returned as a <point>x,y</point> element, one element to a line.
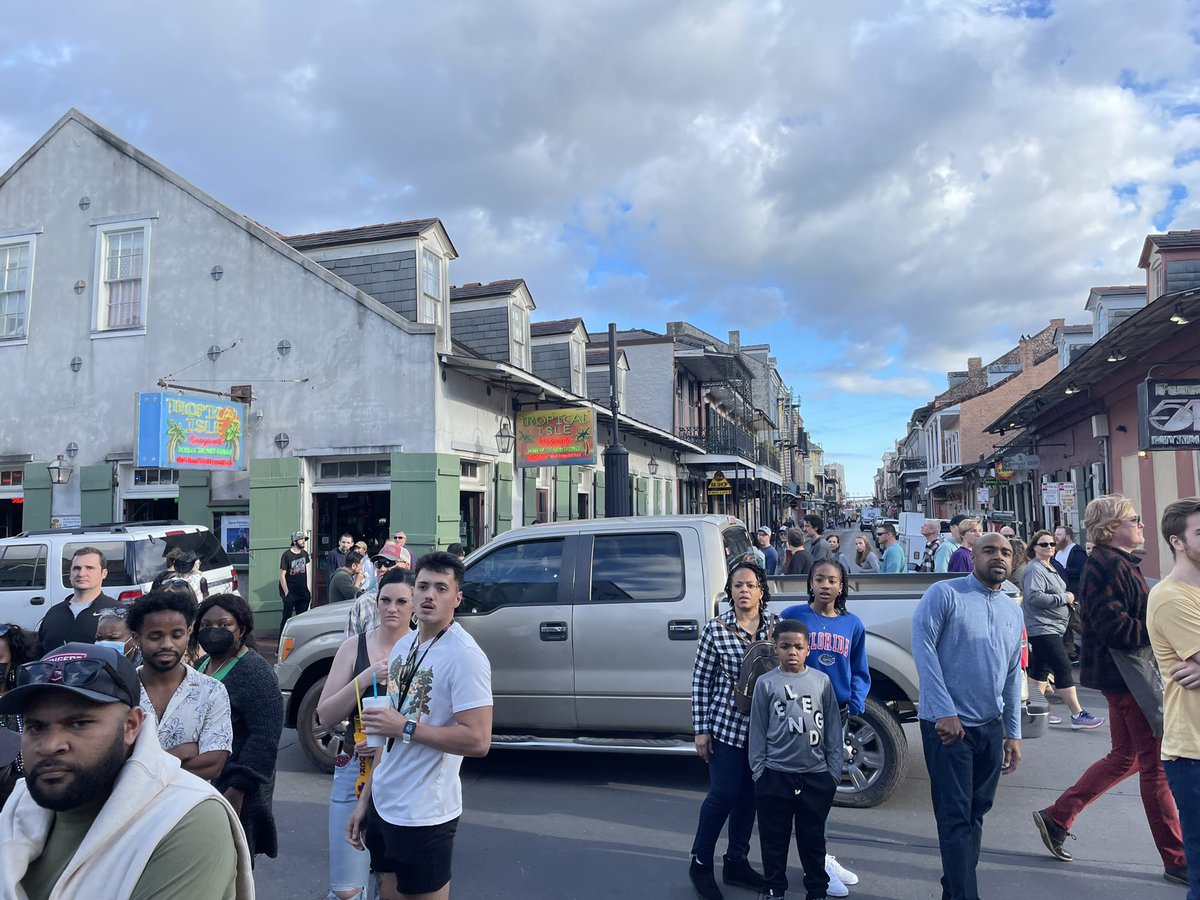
<point>410,727</point>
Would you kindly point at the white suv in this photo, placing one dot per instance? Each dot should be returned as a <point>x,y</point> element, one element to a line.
<point>35,566</point>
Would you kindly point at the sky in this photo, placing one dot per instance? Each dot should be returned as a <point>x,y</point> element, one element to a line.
<point>878,189</point>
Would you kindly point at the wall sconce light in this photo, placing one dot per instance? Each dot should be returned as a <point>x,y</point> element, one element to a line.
<point>1116,355</point>
<point>652,466</point>
<point>1179,318</point>
<point>1071,389</point>
<point>505,439</point>
<point>60,470</point>
<point>282,440</point>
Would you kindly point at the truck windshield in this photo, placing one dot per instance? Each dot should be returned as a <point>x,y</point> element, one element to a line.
<point>737,545</point>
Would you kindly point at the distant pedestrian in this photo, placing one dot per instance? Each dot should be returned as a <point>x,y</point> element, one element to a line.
<point>342,586</point>
<point>813,527</point>
<point>893,562</point>
<point>970,530</point>
<point>367,579</point>
<point>966,640</point>
<point>865,561</point>
<point>1008,531</point>
<point>1046,604</point>
<point>294,585</point>
<point>835,550</point>
<point>1112,596</point>
<point>457,550</point>
<point>406,555</point>
<point>770,555</point>
<point>796,754</point>
<point>796,560</point>
<point>722,732</point>
<point>1069,559</point>
<point>336,558</point>
<point>950,545</point>
<point>932,532</point>
<point>1173,620</point>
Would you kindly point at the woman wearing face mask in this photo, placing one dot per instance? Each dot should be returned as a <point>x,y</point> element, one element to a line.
<point>112,631</point>
<point>224,630</point>
<point>16,649</point>
<point>362,659</point>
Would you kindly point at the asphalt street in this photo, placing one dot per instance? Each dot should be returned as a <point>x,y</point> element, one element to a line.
<point>599,826</point>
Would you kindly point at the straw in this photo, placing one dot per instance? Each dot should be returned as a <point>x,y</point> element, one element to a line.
<point>374,685</point>
<point>358,697</point>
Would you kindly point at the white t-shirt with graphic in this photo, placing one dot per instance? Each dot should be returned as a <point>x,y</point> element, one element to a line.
<point>413,784</point>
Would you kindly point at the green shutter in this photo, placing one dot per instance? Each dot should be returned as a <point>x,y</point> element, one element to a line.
<point>670,486</point>
<point>504,497</point>
<point>274,514</point>
<point>424,502</point>
<point>529,496</point>
<point>194,496</point>
<point>598,492</point>
<point>640,497</point>
<point>562,493</point>
<point>35,493</point>
<point>96,494</point>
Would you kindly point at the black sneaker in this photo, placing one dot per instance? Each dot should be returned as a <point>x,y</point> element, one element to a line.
<point>704,882</point>
<point>737,873</point>
<point>1177,876</point>
<point>1053,835</point>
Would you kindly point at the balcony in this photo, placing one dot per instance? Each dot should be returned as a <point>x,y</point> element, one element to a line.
<point>913,464</point>
<point>769,457</point>
<point>723,440</point>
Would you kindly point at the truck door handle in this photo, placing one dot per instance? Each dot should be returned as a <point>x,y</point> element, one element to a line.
<point>553,631</point>
<point>683,629</point>
<point>36,601</point>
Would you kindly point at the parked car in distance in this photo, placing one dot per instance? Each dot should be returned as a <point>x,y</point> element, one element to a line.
<point>591,627</point>
<point>35,566</point>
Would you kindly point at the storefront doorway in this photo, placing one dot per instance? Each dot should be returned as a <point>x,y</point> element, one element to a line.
<point>10,516</point>
<point>148,509</point>
<point>361,514</point>
<point>470,519</point>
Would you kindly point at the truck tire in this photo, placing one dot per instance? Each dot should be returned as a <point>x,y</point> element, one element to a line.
<point>318,742</point>
<point>876,758</point>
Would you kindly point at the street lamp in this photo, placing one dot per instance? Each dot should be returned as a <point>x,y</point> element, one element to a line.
<point>60,470</point>
<point>505,439</point>
<point>652,466</point>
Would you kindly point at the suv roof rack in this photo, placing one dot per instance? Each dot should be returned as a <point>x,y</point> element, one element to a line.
<point>110,527</point>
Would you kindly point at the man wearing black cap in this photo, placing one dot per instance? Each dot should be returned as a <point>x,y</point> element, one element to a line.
<point>99,791</point>
<point>941,559</point>
<point>293,577</point>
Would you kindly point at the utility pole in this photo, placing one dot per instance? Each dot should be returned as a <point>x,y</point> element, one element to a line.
<point>616,457</point>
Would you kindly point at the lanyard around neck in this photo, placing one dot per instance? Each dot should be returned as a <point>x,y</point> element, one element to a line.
<point>220,674</point>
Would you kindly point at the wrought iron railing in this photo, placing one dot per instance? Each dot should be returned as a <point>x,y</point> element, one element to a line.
<point>723,440</point>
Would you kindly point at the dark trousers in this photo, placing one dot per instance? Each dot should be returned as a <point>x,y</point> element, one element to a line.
<point>1184,776</point>
<point>784,799</point>
<point>730,796</point>
<point>1134,749</point>
<point>295,603</point>
<point>962,782</point>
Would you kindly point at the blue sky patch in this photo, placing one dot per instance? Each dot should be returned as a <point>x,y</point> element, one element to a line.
<point>1165,216</point>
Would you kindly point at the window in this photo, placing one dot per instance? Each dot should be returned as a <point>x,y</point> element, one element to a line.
<point>431,288</point>
<point>150,554</point>
<point>356,468</point>
<point>637,567</point>
<point>11,477</point>
<point>543,505</point>
<point>14,289</point>
<point>114,556</point>
<point>155,476</point>
<point>737,545</point>
<point>123,279</point>
<point>523,574</point>
<point>22,566</point>
<point>518,330</point>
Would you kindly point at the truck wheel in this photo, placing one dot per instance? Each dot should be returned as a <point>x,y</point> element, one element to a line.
<point>318,742</point>
<point>876,758</point>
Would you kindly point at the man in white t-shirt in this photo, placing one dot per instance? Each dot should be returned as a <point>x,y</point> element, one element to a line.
<point>440,684</point>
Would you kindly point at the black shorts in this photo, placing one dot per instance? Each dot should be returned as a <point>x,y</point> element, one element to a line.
<point>1048,654</point>
<point>418,855</point>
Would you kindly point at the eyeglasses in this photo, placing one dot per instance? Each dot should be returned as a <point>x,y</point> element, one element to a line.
<point>69,673</point>
<point>385,563</point>
<point>1045,544</point>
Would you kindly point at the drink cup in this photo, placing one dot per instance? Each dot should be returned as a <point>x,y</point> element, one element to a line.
<point>376,740</point>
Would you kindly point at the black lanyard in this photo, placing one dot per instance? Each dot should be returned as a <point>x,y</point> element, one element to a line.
<point>409,672</point>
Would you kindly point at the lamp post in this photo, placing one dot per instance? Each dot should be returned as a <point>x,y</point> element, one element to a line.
<point>505,441</point>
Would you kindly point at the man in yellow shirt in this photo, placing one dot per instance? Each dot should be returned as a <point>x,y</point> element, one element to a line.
<point>1173,621</point>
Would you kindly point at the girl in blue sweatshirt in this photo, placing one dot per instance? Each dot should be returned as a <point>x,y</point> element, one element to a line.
<point>838,647</point>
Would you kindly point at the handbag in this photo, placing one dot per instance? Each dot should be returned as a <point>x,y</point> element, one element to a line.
<point>1140,672</point>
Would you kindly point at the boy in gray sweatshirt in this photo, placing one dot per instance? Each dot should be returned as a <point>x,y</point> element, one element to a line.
<point>796,755</point>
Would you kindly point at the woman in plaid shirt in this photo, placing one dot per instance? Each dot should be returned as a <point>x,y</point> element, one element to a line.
<point>722,732</point>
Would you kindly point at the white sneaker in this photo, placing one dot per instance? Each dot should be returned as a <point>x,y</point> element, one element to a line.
<point>833,867</point>
<point>836,888</point>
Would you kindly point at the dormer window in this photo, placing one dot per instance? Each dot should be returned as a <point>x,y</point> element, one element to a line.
<point>431,289</point>
<point>518,333</point>
<point>578,382</point>
<point>1158,279</point>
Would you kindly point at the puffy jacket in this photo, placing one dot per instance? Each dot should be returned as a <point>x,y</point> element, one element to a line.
<point>1112,611</point>
<point>1044,600</point>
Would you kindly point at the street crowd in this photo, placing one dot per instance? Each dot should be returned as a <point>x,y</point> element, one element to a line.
<point>148,733</point>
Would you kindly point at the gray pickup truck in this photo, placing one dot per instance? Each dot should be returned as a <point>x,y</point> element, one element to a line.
<point>591,628</point>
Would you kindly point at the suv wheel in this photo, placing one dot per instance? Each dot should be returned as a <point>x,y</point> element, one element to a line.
<point>317,741</point>
<point>876,758</point>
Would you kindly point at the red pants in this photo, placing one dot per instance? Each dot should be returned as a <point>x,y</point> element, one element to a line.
<point>1134,749</point>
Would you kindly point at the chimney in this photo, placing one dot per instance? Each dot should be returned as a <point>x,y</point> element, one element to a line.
<point>974,365</point>
<point>735,340</point>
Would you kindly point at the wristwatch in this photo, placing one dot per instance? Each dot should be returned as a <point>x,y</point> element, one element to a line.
<point>409,727</point>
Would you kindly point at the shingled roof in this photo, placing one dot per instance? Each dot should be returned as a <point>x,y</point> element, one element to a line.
<point>476,290</point>
<point>555,326</point>
<point>1172,239</point>
<point>1041,347</point>
<point>363,234</point>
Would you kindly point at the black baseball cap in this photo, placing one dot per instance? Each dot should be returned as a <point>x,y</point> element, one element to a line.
<point>959,519</point>
<point>110,679</point>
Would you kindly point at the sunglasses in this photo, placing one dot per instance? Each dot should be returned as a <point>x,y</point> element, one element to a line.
<point>69,673</point>
<point>5,629</point>
<point>1135,520</point>
<point>1045,544</point>
<point>385,563</point>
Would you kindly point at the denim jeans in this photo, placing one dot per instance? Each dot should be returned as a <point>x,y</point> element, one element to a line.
<point>348,868</point>
<point>730,796</point>
<point>962,782</point>
<point>1184,776</point>
<point>1134,749</point>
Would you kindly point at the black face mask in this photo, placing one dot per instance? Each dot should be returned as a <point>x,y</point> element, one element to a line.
<point>215,641</point>
<point>5,669</point>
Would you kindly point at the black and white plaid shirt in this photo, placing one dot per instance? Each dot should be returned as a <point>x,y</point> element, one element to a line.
<point>931,549</point>
<point>718,660</point>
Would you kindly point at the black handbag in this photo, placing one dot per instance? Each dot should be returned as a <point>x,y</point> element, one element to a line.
<point>1139,669</point>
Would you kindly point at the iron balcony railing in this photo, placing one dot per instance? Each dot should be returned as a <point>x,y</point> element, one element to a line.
<point>722,440</point>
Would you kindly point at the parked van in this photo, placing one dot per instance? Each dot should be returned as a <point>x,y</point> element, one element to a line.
<point>35,566</point>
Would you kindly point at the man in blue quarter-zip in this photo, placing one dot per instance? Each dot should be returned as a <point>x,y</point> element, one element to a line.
<point>967,646</point>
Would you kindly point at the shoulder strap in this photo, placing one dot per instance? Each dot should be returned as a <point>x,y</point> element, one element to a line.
<point>362,661</point>
<point>737,634</point>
